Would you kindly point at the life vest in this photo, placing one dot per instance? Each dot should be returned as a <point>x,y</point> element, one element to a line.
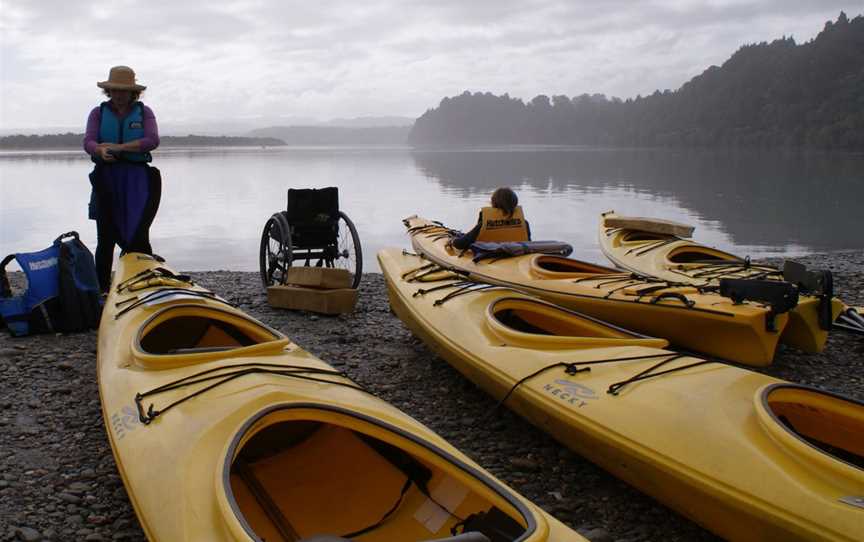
<point>496,226</point>
<point>131,127</point>
<point>62,290</point>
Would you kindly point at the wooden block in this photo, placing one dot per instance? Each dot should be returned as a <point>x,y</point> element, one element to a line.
<point>335,301</point>
<point>651,225</point>
<point>319,277</point>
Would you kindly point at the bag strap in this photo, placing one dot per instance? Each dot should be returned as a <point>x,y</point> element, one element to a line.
<point>5,288</point>
<point>65,235</point>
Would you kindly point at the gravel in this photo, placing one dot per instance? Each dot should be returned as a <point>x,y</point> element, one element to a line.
<point>58,479</point>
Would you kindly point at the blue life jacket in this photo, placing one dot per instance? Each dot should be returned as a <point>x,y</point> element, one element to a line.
<point>62,290</point>
<point>130,128</point>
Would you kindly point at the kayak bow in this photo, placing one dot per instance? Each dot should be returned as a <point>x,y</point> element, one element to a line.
<point>224,430</point>
<point>745,455</point>
<point>746,332</point>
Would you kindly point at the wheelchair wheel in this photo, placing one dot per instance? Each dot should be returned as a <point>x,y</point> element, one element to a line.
<point>349,254</point>
<point>275,256</point>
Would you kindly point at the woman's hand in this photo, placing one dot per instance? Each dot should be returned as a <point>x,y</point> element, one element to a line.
<point>102,150</point>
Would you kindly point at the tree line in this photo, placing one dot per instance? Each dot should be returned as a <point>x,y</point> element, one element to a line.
<point>262,137</point>
<point>778,94</point>
<point>71,140</point>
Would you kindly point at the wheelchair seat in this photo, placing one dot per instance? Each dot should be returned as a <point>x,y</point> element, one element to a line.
<point>312,214</point>
<point>312,205</point>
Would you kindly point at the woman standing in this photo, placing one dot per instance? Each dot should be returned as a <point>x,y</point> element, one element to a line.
<point>120,134</point>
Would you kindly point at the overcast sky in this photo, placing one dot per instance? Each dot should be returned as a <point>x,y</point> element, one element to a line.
<point>259,60</point>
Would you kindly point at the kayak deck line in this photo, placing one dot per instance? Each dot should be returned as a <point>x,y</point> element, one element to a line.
<point>451,282</point>
<point>236,371</point>
<point>540,291</point>
<point>467,289</point>
<point>654,246</point>
<point>146,297</point>
<point>420,272</point>
<point>621,276</point>
<point>164,293</point>
<point>719,271</point>
<point>154,273</point>
<point>571,368</point>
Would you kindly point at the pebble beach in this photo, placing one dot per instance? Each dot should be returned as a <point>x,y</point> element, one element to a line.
<point>59,481</point>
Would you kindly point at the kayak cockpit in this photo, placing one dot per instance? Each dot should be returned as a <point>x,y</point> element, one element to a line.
<point>296,473</point>
<point>557,267</point>
<point>826,428</point>
<point>696,254</point>
<point>183,334</point>
<point>530,322</point>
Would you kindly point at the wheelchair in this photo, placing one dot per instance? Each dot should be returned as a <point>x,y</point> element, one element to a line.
<point>312,231</point>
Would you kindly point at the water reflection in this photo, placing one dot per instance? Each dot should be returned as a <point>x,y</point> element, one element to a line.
<point>758,198</point>
<point>216,201</point>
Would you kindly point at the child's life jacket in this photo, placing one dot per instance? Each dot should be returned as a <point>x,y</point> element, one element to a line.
<point>62,292</point>
<point>496,226</point>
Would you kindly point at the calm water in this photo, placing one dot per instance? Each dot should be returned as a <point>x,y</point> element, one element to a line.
<point>215,201</point>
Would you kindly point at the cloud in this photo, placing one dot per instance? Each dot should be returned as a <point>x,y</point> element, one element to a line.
<point>258,58</point>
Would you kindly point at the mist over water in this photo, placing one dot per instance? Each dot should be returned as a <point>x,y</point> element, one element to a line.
<point>215,201</point>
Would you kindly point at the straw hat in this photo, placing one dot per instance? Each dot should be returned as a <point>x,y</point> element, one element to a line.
<point>121,78</point>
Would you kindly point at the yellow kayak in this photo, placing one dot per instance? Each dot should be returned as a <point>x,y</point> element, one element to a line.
<point>745,455</point>
<point>223,430</point>
<point>677,259</point>
<point>706,322</point>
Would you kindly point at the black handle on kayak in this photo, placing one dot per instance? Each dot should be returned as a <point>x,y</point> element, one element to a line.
<point>673,295</point>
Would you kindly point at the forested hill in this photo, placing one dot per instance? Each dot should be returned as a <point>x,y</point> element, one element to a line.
<point>777,94</point>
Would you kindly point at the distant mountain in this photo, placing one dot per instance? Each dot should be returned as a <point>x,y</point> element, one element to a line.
<point>245,126</point>
<point>225,125</point>
<point>777,94</point>
<point>336,135</point>
<point>367,122</point>
<point>219,141</point>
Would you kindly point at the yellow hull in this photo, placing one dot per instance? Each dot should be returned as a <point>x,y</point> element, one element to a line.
<point>679,260</point>
<point>705,440</point>
<point>223,430</point>
<point>703,322</point>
